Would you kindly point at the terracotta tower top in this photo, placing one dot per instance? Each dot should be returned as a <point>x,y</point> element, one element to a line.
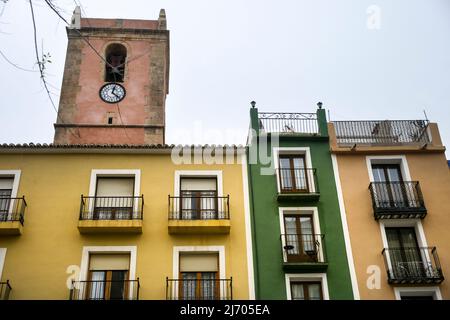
<point>116,78</point>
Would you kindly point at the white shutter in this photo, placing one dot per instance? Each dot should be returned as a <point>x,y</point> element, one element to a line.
<point>109,187</point>
<point>209,184</point>
<point>6,183</point>
<point>199,263</point>
<point>107,262</point>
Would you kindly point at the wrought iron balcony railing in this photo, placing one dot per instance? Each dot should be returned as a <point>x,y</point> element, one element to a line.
<point>5,289</point>
<point>393,200</point>
<point>303,248</point>
<point>112,208</point>
<point>12,209</point>
<point>413,265</point>
<point>105,290</point>
<point>382,132</point>
<point>298,180</point>
<point>199,206</point>
<point>199,289</point>
<point>283,122</point>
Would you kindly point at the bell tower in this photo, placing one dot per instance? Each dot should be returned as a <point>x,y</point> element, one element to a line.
<point>116,78</point>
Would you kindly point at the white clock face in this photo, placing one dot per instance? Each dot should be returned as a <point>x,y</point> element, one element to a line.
<point>112,93</point>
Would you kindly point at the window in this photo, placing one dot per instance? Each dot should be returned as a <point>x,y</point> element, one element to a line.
<point>404,253</point>
<point>293,173</point>
<point>199,277</point>
<point>114,198</point>
<point>116,55</point>
<point>108,277</point>
<point>390,188</point>
<point>198,198</point>
<point>301,244</point>
<point>303,290</point>
<point>6,188</point>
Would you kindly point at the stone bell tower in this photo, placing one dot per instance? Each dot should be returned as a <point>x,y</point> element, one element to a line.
<point>116,78</point>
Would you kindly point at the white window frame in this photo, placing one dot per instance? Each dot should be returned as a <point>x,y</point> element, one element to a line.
<point>220,250</point>
<point>435,292</point>
<point>87,251</point>
<point>2,260</point>
<point>15,175</point>
<point>300,211</point>
<point>198,174</point>
<point>99,173</point>
<point>394,159</point>
<point>306,151</point>
<point>306,277</point>
<point>420,235</point>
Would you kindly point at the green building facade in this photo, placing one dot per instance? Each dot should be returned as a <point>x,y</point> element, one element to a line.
<point>298,241</point>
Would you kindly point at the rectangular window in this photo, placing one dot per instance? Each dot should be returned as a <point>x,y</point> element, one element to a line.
<point>302,245</point>
<point>6,186</point>
<point>198,198</point>
<point>404,253</point>
<point>108,277</point>
<point>302,290</point>
<point>293,173</point>
<point>114,198</point>
<point>199,277</point>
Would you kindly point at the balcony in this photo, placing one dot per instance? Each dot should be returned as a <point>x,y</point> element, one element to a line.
<point>304,252</point>
<point>382,132</point>
<point>199,214</point>
<point>397,200</point>
<point>5,289</point>
<point>105,290</point>
<point>199,289</point>
<point>298,184</point>
<point>111,214</point>
<point>412,265</point>
<point>288,123</point>
<point>12,211</point>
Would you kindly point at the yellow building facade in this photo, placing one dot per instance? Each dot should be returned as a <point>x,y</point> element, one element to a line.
<point>394,188</point>
<point>123,222</point>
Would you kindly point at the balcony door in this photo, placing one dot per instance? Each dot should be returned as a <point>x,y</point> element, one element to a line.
<point>114,198</point>
<point>389,185</point>
<point>293,174</point>
<point>404,253</point>
<point>301,244</point>
<point>198,198</point>
<point>108,277</point>
<point>6,185</point>
<point>199,277</point>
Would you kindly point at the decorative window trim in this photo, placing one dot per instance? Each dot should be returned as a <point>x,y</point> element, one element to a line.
<point>415,223</point>
<point>397,159</point>
<point>199,249</point>
<point>84,266</point>
<point>301,211</point>
<point>16,176</point>
<point>198,173</point>
<point>322,277</point>
<point>306,151</point>
<point>432,291</point>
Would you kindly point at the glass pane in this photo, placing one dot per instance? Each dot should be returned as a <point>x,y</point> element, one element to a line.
<point>292,238</point>
<point>378,174</point>
<point>117,285</point>
<point>5,201</point>
<point>189,285</point>
<point>394,173</point>
<point>285,174</point>
<point>208,286</point>
<point>97,285</point>
<point>308,240</point>
<point>297,292</point>
<point>314,291</point>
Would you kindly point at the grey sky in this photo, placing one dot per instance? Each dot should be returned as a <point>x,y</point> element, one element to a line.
<point>285,55</point>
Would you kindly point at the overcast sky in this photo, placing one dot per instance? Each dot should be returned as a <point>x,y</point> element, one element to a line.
<point>285,55</point>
